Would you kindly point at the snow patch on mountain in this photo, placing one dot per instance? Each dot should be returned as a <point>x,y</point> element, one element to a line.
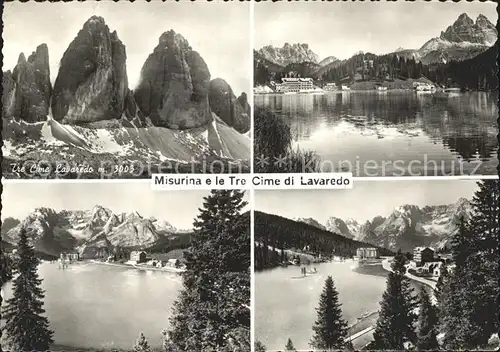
<point>41,140</point>
<point>288,54</point>
<point>89,231</point>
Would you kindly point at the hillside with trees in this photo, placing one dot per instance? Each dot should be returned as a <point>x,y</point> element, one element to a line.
<point>284,234</point>
<point>478,73</point>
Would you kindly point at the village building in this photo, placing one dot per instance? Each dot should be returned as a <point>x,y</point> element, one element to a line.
<point>289,85</point>
<point>161,263</point>
<point>422,255</point>
<point>70,256</point>
<point>330,86</point>
<point>432,268</point>
<point>173,263</point>
<point>367,253</point>
<point>367,64</point>
<point>138,257</point>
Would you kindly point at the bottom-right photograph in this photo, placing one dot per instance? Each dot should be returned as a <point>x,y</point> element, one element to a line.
<point>386,265</point>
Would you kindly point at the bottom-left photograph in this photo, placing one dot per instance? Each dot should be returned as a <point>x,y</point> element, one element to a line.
<point>120,267</point>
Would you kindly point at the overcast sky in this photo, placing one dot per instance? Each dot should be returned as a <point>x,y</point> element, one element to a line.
<point>342,28</point>
<point>177,207</point>
<point>364,201</point>
<point>219,31</point>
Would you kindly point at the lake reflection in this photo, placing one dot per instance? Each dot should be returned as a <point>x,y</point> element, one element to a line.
<point>98,306</point>
<point>394,133</point>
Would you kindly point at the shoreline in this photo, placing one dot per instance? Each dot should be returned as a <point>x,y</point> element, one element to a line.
<point>132,266</point>
<point>442,91</point>
<point>367,324</point>
<point>432,284</point>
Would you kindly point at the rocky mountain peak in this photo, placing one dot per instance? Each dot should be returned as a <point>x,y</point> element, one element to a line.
<point>289,53</point>
<point>465,30</point>
<point>40,56</point>
<point>463,19</point>
<point>312,222</point>
<point>328,60</point>
<point>171,39</point>
<point>224,104</point>
<point>27,90</point>
<point>174,85</point>
<point>92,83</point>
<point>133,215</point>
<point>95,21</point>
<point>483,21</point>
<point>21,59</point>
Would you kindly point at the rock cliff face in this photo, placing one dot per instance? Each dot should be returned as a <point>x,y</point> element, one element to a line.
<point>173,91</point>
<point>243,99</point>
<point>289,54</point>
<point>91,232</point>
<point>92,81</point>
<point>132,115</point>
<point>27,89</point>
<point>465,30</point>
<point>224,104</point>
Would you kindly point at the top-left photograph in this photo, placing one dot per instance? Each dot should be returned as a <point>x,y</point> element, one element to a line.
<point>124,90</point>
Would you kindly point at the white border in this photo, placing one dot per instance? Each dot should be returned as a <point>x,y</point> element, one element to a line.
<point>251,27</point>
<point>424,178</point>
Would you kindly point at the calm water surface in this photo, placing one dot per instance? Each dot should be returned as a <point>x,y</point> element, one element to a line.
<point>285,307</point>
<point>98,306</point>
<point>396,133</point>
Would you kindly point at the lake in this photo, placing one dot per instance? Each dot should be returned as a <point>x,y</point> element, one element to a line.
<point>394,133</point>
<point>100,306</point>
<point>286,307</point>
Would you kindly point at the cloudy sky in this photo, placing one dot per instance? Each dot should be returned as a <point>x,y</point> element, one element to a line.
<point>177,207</point>
<point>364,201</point>
<point>219,31</point>
<point>343,28</point>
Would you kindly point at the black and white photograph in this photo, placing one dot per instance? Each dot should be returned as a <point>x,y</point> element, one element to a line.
<point>400,265</point>
<point>108,267</point>
<point>123,90</point>
<point>398,88</point>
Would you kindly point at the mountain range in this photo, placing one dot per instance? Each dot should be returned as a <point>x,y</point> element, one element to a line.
<point>464,39</point>
<point>406,227</point>
<point>176,112</point>
<point>90,232</point>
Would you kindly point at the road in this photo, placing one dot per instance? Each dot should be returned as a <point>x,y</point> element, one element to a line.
<point>386,264</point>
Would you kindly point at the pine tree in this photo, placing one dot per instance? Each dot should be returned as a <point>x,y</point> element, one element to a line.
<point>427,322</point>
<point>395,324</point>
<point>259,347</point>
<point>213,306</point>
<point>141,345</point>
<point>470,312</point>
<point>25,326</point>
<point>289,346</point>
<point>439,291</point>
<point>5,267</point>
<point>330,330</point>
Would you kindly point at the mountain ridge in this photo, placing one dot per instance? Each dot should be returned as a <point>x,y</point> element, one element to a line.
<point>406,227</point>
<point>464,39</point>
<point>91,231</point>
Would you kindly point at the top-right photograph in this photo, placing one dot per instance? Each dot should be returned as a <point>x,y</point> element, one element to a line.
<point>376,89</point>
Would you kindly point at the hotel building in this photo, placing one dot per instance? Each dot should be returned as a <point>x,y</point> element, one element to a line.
<point>295,85</point>
<point>367,253</point>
